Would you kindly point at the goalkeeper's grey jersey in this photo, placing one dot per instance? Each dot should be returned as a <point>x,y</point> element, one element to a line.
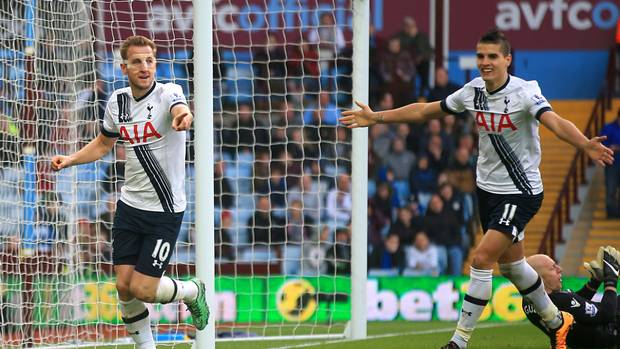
<point>155,168</point>
<point>509,144</point>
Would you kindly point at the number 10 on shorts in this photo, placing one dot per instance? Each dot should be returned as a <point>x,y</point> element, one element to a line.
<point>160,252</point>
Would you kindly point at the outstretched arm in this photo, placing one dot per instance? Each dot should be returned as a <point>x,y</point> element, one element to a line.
<point>569,133</point>
<point>415,112</point>
<point>181,117</point>
<point>94,150</point>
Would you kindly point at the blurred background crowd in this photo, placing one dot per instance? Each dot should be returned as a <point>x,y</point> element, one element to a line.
<point>282,171</point>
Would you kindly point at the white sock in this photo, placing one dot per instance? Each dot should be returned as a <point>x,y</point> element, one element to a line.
<point>170,290</point>
<point>137,322</point>
<point>477,297</point>
<point>531,287</point>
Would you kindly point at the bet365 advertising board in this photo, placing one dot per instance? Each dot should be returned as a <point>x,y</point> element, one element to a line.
<point>285,299</point>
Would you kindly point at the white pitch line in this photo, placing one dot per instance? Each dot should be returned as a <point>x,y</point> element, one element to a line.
<point>101,344</point>
<point>388,335</point>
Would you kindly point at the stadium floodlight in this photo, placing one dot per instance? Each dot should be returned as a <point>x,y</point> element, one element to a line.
<point>266,80</point>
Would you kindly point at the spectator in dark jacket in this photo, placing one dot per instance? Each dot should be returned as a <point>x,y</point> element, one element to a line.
<point>423,182</point>
<point>338,256</point>
<point>243,135</point>
<point>443,86</point>
<point>223,243</point>
<point>388,258</point>
<point>398,72</point>
<point>456,204</point>
<point>443,229</point>
<point>223,196</point>
<point>435,129</point>
<point>270,67</point>
<point>438,155</point>
<point>303,65</point>
<point>612,172</point>
<point>380,213</point>
<point>419,45</point>
<point>407,224</point>
<point>266,229</point>
<point>382,200</point>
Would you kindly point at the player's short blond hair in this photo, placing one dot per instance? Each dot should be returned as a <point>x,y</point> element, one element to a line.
<point>136,40</point>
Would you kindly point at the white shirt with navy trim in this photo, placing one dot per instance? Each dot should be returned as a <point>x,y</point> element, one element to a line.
<point>155,168</point>
<point>509,143</point>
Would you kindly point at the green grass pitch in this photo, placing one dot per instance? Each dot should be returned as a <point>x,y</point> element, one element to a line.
<point>402,334</point>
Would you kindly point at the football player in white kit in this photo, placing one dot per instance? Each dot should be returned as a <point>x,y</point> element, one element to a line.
<point>151,119</point>
<point>507,111</point>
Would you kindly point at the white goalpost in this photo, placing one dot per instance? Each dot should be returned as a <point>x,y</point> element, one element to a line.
<point>359,245</point>
<point>277,190</point>
<point>270,33</point>
<point>203,90</point>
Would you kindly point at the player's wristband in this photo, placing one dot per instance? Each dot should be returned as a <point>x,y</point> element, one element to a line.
<point>594,284</point>
<point>611,282</point>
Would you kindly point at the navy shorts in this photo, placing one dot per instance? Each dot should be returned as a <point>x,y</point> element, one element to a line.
<point>145,239</point>
<point>507,213</point>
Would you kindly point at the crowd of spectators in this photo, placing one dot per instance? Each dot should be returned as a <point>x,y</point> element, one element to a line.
<point>282,170</point>
<point>421,218</point>
<point>612,172</point>
<point>286,147</point>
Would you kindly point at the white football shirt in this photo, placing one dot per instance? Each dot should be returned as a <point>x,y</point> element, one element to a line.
<point>509,144</point>
<point>155,168</point>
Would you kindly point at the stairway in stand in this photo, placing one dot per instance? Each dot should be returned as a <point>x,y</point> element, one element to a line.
<point>556,159</point>
<point>602,231</point>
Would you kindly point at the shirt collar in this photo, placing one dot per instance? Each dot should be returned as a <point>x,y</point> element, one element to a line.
<point>147,92</point>
<point>501,87</point>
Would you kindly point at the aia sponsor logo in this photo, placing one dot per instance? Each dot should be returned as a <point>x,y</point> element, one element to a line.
<point>492,122</point>
<point>139,133</point>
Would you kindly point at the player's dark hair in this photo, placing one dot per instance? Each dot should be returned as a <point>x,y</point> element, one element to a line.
<point>494,36</point>
<point>136,40</point>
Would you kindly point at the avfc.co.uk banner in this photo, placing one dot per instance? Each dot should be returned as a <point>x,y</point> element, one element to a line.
<point>536,25</point>
<point>244,23</point>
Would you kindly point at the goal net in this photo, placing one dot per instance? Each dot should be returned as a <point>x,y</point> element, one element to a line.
<point>282,75</point>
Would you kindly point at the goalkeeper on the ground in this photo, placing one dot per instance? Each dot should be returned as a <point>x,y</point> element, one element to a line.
<point>596,322</point>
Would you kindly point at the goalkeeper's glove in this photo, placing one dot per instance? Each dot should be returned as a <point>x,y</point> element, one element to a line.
<point>595,270</point>
<point>614,252</point>
<point>610,264</point>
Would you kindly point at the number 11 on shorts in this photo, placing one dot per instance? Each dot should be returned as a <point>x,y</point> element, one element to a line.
<point>508,215</point>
